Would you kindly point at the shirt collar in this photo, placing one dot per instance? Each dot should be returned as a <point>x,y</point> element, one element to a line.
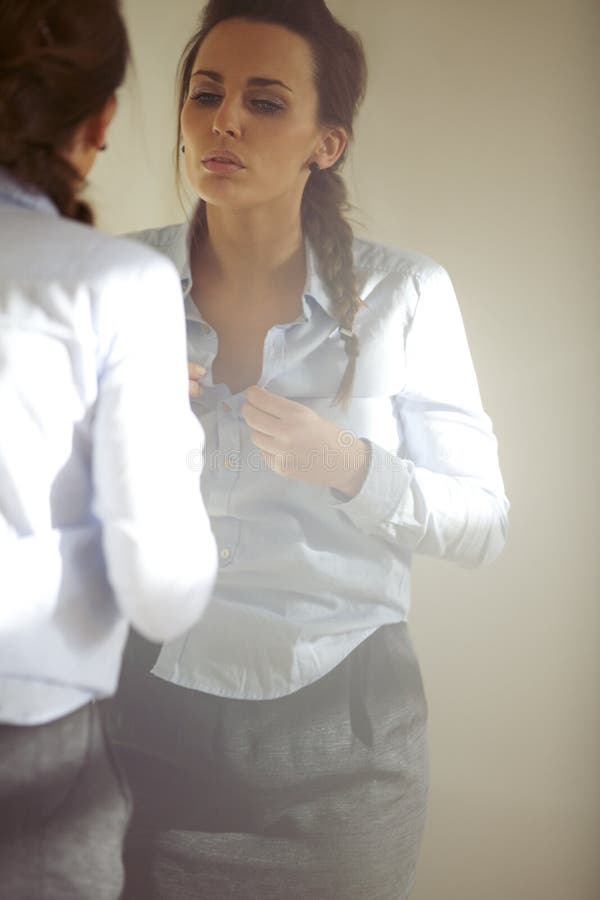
<point>14,193</point>
<point>179,253</point>
<point>313,286</point>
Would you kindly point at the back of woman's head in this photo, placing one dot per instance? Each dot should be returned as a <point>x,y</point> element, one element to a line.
<point>340,77</point>
<point>60,62</point>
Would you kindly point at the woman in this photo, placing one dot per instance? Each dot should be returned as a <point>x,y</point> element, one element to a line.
<point>281,752</point>
<point>101,521</point>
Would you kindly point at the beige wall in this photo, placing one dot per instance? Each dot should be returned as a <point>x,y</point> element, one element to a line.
<point>478,145</point>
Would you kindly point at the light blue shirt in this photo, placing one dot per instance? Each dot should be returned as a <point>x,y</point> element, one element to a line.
<point>304,575</point>
<point>101,518</point>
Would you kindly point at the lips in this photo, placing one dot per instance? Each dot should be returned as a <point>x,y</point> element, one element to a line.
<point>223,157</point>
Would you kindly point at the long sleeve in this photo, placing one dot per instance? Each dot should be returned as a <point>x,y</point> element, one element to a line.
<point>38,584</point>
<point>159,548</point>
<point>441,493</point>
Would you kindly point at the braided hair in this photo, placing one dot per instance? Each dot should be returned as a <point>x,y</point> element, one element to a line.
<point>60,62</point>
<point>340,79</point>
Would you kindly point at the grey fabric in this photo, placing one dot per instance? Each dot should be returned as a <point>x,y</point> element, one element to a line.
<point>65,809</point>
<point>320,794</point>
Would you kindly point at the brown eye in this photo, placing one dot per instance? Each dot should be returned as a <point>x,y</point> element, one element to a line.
<point>206,98</point>
<point>267,106</point>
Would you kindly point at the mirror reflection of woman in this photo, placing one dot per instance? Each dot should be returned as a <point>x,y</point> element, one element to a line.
<point>279,749</point>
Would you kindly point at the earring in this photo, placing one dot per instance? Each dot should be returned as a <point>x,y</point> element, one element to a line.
<point>103,148</point>
<point>183,148</point>
<point>314,167</point>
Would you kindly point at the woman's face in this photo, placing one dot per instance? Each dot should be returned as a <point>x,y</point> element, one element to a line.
<point>249,122</point>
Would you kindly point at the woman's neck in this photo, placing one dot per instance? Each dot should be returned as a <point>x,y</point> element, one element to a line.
<point>250,252</point>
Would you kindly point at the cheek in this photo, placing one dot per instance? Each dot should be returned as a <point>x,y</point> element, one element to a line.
<point>288,143</point>
<point>191,122</point>
<point>184,120</point>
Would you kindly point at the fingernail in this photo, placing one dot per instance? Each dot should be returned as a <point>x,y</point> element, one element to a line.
<point>199,371</point>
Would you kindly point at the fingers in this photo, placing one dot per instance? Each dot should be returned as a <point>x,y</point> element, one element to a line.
<point>261,421</point>
<point>275,464</point>
<point>263,442</point>
<point>280,407</point>
<point>195,372</point>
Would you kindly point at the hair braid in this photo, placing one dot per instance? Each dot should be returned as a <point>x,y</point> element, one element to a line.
<point>37,166</point>
<point>324,205</point>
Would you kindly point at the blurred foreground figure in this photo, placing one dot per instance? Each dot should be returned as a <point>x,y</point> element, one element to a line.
<point>101,520</point>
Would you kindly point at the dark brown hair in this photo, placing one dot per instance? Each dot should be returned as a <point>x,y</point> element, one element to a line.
<point>60,62</point>
<point>340,80</point>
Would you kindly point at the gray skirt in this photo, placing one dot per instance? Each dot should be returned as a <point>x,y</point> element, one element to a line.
<point>320,794</point>
<point>64,808</point>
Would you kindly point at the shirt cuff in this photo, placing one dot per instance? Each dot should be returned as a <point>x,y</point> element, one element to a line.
<point>387,480</point>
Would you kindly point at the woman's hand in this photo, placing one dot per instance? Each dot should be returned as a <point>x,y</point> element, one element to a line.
<point>195,374</point>
<point>298,443</point>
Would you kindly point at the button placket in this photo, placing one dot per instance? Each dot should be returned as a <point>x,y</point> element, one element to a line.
<point>228,459</point>
<point>228,427</point>
<point>227,533</point>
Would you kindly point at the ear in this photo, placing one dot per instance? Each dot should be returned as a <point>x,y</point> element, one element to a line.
<point>331,146</point>
<point>97,125</point>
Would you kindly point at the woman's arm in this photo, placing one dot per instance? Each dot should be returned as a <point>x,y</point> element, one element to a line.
<point>31,574</point>
<point>159,548</point>
<point>442,492</point>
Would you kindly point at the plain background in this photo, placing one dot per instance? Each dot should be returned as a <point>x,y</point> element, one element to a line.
<point>478,145</point>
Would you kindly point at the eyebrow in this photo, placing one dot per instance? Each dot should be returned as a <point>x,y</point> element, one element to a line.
<point>253,82</point>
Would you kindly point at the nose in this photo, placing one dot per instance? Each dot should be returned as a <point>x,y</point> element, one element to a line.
<point>226,120</point>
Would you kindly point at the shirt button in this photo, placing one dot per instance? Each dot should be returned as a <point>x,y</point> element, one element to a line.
<point>225,554</point>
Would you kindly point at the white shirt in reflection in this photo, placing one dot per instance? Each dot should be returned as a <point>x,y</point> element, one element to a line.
<point>304,575</point>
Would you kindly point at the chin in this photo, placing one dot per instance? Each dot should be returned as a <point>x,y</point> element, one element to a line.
<point>217,189</point>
